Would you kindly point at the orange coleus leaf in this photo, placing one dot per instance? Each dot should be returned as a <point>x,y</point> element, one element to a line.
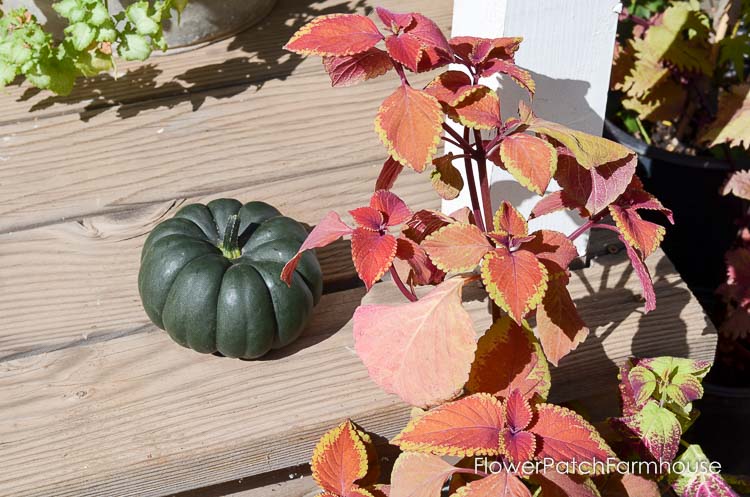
<point>419,475</point>
<point>416,42</point>
<point>595,188</point>
<point>368,218</point>
<point>330,229</point>
<point>372,254</point>
<point>558,325</point>
<point>457,247</point>
<point>589,150</point>
<point>552,202</point>
<point>639,266</point>
<point>639,233</point>
<point>480,110</point>
<point>516,280</point>
<point>518,444</point>
<point>520,76</point>
<point>409,123</point>
<point>446,179</point>
<point>335,35</point>
<point>393,208</point>
<point>500,484</point>
<point>556,484</point>
<point>349,70</point>
<point>452,87</point>
<point>508,220</point>
<point>626,485</point>
<point>340,459</point>
<point>567,437</point>
<point>509,358</point>
<point>467,427</point>
<point>388,174</point>
<point>401,344</point>
<point>531,160</point>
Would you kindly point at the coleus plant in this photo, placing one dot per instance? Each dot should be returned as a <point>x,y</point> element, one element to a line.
<point>91,40</point>
<point>682,74</point>
<point>485,397</point>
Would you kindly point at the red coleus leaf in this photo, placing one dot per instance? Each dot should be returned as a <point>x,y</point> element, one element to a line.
<point>409,123</point>
<point>400,345</point>
<point>558,325</point>
<point>452,87</point>
<point>508,220</point>
<point>388,174</point>
<point>552,247</point>
<point>531,160</point>
<point>340,459</point>
<point>372,253</point>
<point>457,247</point>
<point>589,151</point>
<point>500,484</point>
<point>368,218</point>
<point>414,265</point>
<point>393,208</point>
<point>518,444</point>
<point>567,437</point>
<point>335,35</point>
<point>643,235</point>
<point>516,281</point>
<point>480,110</point>
<point>550,203</point>
<point>414,38</point>
<point>419,475</point>
<point>509,358</point>
<point>520,76</point>
<point>649,295</point>
<point>467,427</point>
<point>330,229</point>
<point>595,188</point>
<point>555,484</point>
<point>477,50</point>
<point>349,70</point>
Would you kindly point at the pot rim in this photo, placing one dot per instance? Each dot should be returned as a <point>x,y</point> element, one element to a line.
<point>682,160</point>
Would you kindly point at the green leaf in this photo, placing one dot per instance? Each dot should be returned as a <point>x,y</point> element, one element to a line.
<point>72,10</point>
<point>138,14</point>
<point>99,15</point>
<point>92,63</point>
<point>134,47</point>
<point>15,52</point>
<point>8,73</point>
<point>179,5</point>
<point>106,35</point>
<point>81,35</point>
<point>659,430</point>
<point>697,477</point>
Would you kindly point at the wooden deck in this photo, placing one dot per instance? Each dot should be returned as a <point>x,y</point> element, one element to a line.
<point>94,400</point>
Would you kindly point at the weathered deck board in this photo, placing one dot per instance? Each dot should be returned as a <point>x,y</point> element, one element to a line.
<point>76,281</point>
<point>282,138</point>
<point>138,415</point>
<point>245,62</point>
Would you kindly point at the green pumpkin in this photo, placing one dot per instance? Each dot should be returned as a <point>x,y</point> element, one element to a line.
<point>211,277</point>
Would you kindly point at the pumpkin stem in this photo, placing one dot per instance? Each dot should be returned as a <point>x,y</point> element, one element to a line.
<point>230,247</point>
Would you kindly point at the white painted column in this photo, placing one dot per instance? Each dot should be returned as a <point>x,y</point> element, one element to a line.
<point>568,48</point>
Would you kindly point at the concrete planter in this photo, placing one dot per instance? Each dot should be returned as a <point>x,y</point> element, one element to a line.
<point>203,21</point>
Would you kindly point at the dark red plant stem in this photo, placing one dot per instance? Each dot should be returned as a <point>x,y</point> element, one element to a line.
<point>463,142</point>
<point>605,227</point>
<point>400,284</point>
<point>484,183</point>
<point>401,73</point>
<point>451,141</point>
<point>591,223</point>
<point>473,188</point>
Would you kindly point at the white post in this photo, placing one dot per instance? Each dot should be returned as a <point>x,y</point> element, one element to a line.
<point>568,48</point>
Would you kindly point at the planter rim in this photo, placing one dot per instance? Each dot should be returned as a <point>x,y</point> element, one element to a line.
<point>727,392</point>
<point>684,160</point>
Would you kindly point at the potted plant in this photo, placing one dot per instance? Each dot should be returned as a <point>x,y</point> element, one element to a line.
<point>681,99</point>
<point>50,43</point>
<point>483,402</point>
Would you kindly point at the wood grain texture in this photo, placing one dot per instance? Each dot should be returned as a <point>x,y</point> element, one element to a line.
<point>288,134</point>
<point>297,487</point>
<point>138,415</point>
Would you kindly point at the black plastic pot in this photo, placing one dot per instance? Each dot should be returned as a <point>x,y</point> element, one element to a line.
<point>704,219</point>
<point>722,429</point>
